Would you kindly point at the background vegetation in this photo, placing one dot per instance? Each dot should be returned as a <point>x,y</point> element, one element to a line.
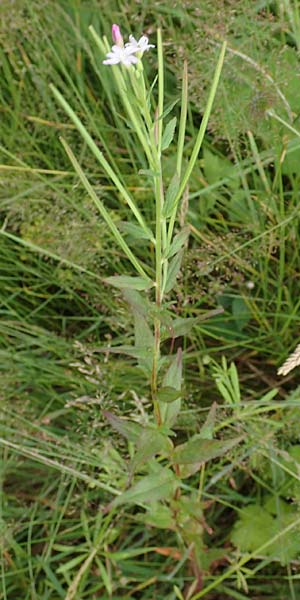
<point>59,458</point>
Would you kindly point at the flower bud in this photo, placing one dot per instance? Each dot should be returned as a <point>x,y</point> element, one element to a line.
<point>117,36</point>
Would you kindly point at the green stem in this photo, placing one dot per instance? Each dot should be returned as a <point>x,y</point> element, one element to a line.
<point>160,227</point>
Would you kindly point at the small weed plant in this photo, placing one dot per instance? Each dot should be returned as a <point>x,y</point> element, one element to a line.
<point>158,465</point>
<point>151,499</point>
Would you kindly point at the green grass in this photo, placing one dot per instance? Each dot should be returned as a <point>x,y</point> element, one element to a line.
<point>61,464</point>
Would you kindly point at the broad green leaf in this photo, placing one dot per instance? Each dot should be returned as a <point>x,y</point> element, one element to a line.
<point>178,241</point>
<point>198,450</point>
<point>173,270</point>
<point>255,527</point>
<point>168,133</point>
<point>168,394</point>
<point>127,282</point>
<point>151,488</point>
<point>171,196</point>
<point>172,378</point>
<point>129,429</point>
<point>275,506</point>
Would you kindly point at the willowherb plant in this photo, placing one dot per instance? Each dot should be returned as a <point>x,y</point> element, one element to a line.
<point>157,467</point>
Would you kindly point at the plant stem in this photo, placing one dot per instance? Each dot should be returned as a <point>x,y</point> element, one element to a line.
<point>160,227</point>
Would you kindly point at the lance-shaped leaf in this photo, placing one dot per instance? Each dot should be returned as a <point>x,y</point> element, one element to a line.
<point>171,195</point>
<point>178,241</point>
<point>168,133</point>
<point>168,394</point>
<point>197,451</point>
<point>129,429</point>
<point>150,443</point>
<point>173,270</point>
<point>135,231</point>
<point>207,428</point>
<point>159,516</point>
<point>142,333</point>
<point>127,282</point>
<point>144,339</point>
<point>140,353</point>
<point>137,302</point>
<point>173,379</point>
<point>183,325</point>
<point>151,488</point>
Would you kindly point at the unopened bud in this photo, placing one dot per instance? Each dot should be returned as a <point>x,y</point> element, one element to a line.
<point>117,36</point>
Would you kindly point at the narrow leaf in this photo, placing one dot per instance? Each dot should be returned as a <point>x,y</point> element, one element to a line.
<point>105,214</point>
<point>125,281</point>
<point>173,270</point>
<point>169,109</point>
<point>168,394</point>
<point>151,442</point>
<point>135,231</point>
<point>137,302</point>
<point>98,154</point>
<point>171,196</point>
<point>142,333</point>
<point>198,450</point>
<point>178,241</point>
<point>181,326</point>
<point>172,378</point>
<point>71,563</point>
<point>149,172</point>
<point>183,115</point>
<point>133,351</point>
<point>235,382</point>
<point>168,133</point>
<point>207,428</point>
<point>159,516</point>
<point>201,133</point>
<point>130,430</point>
<point>144,339</point>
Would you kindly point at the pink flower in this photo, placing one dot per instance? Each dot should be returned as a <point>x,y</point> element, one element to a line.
<point>117,36</point>
<point>126,55</point>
